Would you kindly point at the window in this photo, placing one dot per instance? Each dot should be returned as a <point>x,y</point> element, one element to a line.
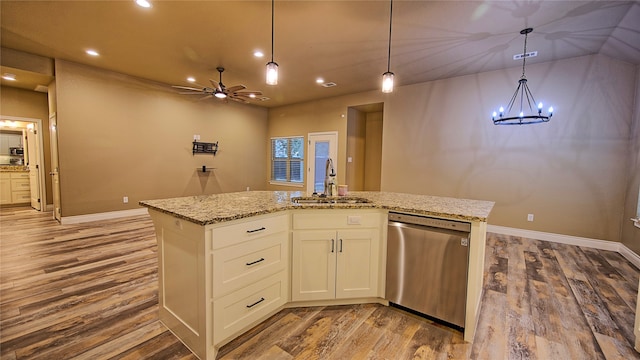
<point>287,160</point>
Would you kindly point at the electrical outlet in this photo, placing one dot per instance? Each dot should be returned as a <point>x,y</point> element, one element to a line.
<point>530,217</point>
<point>248,188</point>
<point>125,199</point>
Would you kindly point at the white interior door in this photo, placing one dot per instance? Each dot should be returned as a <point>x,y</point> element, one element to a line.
<point>322,146</point>
<point>33,162</point>
<point>55,176</point>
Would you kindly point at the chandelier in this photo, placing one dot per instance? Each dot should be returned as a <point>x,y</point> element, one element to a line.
<point>522,95</point>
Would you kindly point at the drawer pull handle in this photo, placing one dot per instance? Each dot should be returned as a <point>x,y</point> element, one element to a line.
<point>255,303</point>
<point>256,230</point>
<point>255,262</point>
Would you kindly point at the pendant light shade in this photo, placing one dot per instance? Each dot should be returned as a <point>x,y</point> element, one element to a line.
<point>272,73</point>
<point>272,67</point>
<point>387,77</point>
<point>387,82</point>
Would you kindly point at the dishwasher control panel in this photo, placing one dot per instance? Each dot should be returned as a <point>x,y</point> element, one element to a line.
<point>429,221</point>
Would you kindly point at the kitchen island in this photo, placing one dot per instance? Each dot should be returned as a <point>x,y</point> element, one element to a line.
<point>229,261</point>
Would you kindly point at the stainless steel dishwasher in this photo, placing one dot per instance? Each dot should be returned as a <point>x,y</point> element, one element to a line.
<point>427,265</point>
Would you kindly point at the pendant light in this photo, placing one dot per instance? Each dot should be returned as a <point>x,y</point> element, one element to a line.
<point>272,67</point>
<point>522,92</point>
<point>387,77</point>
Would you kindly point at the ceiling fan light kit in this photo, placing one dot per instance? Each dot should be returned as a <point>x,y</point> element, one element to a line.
<point>220,91</point>
<point>522,92</point>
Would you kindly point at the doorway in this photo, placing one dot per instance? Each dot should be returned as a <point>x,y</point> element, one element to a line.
<point>364,147</point>
<point>322,146</point>
<point>33,157</point>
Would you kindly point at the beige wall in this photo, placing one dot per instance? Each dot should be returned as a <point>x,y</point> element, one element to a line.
<point>356,145</point>
<point>438,139</point>
<point>121,136</point>
<point>30,104</point>
<point>373,151</point>
<point>631,234</point>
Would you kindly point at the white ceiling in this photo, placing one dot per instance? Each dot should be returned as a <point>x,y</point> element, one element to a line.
<point>341,41</point>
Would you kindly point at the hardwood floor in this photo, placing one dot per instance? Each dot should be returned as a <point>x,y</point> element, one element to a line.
<point>89,291</point>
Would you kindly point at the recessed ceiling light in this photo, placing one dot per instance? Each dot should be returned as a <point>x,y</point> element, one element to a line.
<point>258,54</point>
<point>10,77</point>
<point>92,52</point>
<point>143,3</point>
<point>319,80</point>
<point>191,79</point>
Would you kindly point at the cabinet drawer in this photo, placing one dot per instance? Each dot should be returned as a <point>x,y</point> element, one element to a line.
<point>20,175</point>
<point>239,232</point>
<point>19,184</point>
<point>5,176</point>
<point>334,220</point>
<point>20,196</point>
<point>245,307</point>
<point>237,266</point>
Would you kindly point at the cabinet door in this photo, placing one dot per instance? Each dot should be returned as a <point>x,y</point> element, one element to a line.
<point>5,189</point>
<point>357,263</point>
<point>314,265</point>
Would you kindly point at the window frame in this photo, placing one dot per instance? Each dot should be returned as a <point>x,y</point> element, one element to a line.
<point>288,161</point>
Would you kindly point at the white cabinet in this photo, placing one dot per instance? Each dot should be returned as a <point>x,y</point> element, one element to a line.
<point>14,188</point>
<point>336,255</point>
<point>217,281</point>
<point>250,273</point>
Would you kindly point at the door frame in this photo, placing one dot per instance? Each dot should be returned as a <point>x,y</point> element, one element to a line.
<point>332,136</point>
<point>40,153</point>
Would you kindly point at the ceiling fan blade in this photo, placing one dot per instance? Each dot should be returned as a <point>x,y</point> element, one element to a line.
<point>187,88</point>
<point>236,88</point>
<point>217,85</point>
<point>238,99</point>
<point>191,93</point>
<point>248,93</point>
<point>205,97</point>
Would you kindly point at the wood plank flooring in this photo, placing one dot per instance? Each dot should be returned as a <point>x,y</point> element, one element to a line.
<point>89,291</point>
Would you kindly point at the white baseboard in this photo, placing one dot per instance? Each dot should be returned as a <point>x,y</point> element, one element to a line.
<point>102,216</point>
<point>569,240</point>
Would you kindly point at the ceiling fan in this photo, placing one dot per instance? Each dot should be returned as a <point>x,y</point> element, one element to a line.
<point>220,91</point>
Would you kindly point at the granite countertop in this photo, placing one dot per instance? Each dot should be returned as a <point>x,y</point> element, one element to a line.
<point>212,209</point>
<point>13,168</point>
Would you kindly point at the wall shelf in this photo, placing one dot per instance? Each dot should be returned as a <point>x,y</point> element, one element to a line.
<point>205,148</point>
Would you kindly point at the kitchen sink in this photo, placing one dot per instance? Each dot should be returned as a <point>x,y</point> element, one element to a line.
<point>329,200</point>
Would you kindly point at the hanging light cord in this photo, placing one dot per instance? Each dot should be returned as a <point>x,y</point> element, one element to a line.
<point>272,4</point>
<point>524,55</point>
<point>389,54</point>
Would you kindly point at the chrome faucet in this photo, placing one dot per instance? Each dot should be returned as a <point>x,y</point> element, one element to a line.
<point>330,187</point>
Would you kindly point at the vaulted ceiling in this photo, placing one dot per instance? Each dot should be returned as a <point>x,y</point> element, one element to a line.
<point>344,42</point>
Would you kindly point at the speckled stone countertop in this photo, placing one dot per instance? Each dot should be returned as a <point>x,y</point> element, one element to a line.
<point>212,209</point>
<point>13,168</point>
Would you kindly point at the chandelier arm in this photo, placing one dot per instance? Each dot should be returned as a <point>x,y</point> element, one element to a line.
<point>513,99</point>
<point>530,97</point>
